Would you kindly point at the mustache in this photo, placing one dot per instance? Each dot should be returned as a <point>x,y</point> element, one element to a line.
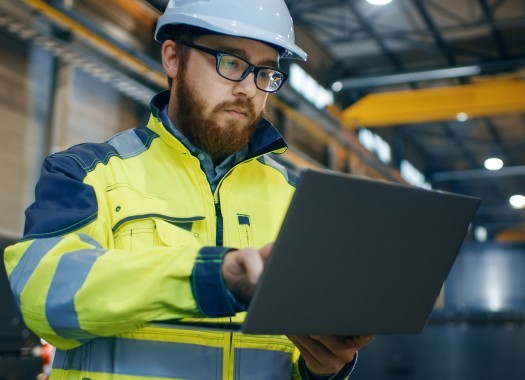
<point>241,105</point>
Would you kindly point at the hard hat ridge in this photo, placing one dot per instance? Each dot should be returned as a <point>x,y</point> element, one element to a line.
<point>268,21</point>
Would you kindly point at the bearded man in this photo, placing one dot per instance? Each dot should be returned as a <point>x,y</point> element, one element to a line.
<point>140,254</point>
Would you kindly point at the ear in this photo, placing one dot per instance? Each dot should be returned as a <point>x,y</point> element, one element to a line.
<point>170,58</point>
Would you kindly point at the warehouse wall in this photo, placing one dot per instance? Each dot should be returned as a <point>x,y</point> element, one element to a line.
<point>45,105</point>
<point>16,130</point>
<point>91,111</point>
<point>81,108</point>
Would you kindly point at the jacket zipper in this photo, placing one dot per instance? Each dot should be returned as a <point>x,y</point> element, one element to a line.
<point>219,223</point>
<point>219,240</point>
<point>227,349</point>
<point>228,365</point>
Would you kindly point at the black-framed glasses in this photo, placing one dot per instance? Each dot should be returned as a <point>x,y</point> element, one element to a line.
<point>235,68</point>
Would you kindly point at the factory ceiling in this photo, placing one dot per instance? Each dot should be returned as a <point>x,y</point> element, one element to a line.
<point>441,81</point>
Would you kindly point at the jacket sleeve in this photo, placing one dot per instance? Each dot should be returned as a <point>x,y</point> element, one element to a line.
<point>72,285</point>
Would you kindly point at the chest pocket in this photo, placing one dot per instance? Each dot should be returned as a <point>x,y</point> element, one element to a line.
<point>140,220</point>
<point>245,231</point>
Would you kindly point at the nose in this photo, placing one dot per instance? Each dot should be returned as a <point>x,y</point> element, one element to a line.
<point>246,87</point>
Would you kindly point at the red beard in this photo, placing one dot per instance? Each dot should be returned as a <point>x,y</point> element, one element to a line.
<point>203,131</point>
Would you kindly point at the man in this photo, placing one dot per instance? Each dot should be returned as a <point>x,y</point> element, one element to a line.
<point>140,255</point>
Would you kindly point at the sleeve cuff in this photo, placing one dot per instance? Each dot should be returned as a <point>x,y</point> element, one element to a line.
<point>212,297</point>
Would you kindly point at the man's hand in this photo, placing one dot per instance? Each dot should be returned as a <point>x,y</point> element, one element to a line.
<point>328,354</point>
<point>242,269</point>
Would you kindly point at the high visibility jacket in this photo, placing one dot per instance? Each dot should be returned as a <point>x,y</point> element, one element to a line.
<point>120,263</point>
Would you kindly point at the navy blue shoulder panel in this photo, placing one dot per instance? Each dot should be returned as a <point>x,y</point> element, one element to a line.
<point>123,145</point>
<point>291,177</point>
<point>63,202</point>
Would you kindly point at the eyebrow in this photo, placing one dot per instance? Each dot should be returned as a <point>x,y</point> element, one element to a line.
<point>242,53</point>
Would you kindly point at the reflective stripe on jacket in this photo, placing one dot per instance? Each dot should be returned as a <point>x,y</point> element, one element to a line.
<point>121,240</point>
<point>160,352</point>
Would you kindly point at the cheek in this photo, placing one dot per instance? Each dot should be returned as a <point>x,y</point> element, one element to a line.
<point>259,101</point>
<point>202,80</point>
<point>205,91</point>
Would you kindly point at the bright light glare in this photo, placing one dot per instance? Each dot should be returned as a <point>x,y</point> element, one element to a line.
<point>303,83</point>
<point>517,201</point>
<point>493,285</point>
<point>493,163</point>
<point>462,116</point>
<point>337,86</point>
<point>480,233</point>
<point>494,299</point>
<point>378,2</point>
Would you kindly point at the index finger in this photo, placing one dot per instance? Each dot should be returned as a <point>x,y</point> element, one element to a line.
<point>336,342</point>
<point>360,340</point>
<point>266,251</point>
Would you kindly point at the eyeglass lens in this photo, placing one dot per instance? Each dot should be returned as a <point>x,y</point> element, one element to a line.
<point>234,68</point>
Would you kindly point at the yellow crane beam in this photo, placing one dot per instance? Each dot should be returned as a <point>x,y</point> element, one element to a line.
<point>110,49</point>
<point>437,104</point>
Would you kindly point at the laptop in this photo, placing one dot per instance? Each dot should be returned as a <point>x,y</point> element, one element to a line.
<point>357,256</point>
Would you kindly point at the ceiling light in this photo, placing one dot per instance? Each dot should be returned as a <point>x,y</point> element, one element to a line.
<point>411,77</point>
<point>378,2</point>
<point>337,86</point>
<point>462,116</point>
<point>480,234</point>
<point>517,201</point>
<point>493,163</point>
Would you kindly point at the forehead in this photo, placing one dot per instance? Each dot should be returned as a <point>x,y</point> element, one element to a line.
<point>254,51</point>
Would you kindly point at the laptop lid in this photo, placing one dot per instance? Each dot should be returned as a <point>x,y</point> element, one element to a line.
<point>358,256</point>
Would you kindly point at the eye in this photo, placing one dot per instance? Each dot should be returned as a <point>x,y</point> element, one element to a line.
<point>232,64</point>
<point>270,76</point>
<point>264,75</point>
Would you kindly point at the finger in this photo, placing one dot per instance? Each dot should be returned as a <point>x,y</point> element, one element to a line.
<point>253,265</point>
<point>361,341</point>
<point>233,265</point>
<point>333,342</point>
<point>266,251</point>
<point>341,342</point>
<point>342,348</point>
<point>319,358</point>
<point>314,361</point>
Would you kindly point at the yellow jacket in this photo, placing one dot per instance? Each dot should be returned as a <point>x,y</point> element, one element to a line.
<point>119,266</point>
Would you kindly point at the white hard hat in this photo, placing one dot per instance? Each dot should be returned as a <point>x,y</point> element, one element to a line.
<point>267,21</point>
